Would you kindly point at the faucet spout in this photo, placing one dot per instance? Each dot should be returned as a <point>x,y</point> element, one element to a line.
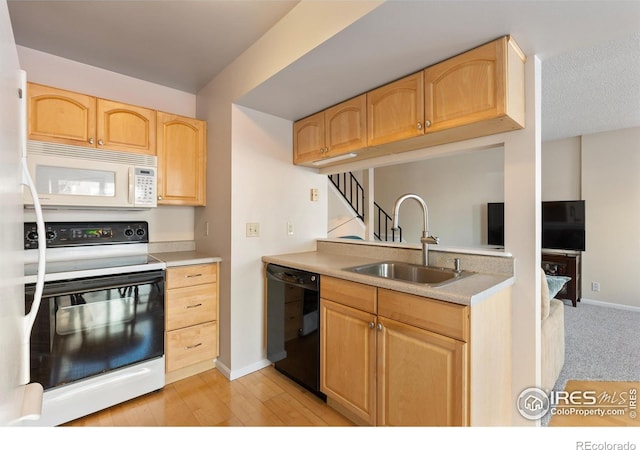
<point>425,239</point>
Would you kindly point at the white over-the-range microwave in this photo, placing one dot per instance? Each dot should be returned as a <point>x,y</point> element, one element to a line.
<point>69,176</point>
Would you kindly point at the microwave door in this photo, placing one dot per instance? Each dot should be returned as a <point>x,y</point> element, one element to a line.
<point>77,183</point>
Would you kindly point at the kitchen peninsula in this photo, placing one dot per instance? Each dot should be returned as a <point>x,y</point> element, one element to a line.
<point>400,353</point>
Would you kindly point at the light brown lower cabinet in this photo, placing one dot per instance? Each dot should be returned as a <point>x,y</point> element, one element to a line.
<point>390,358</point>
<point>191,320</point>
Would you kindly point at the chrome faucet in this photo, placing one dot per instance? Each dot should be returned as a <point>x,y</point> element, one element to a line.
<point>425,239</point>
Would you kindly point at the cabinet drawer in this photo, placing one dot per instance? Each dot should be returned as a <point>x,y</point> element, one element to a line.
<point>191,275</point>
<point>191,345</point>
<point>356,295</point>
<point>438,316</point>
<point>190,306</point>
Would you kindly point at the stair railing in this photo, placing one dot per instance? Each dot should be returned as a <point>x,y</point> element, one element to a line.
<point>353,192</point>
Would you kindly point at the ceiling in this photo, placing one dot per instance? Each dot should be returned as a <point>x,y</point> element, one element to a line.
<point>590,50</point>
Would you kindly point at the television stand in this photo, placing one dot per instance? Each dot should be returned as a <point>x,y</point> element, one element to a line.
<point>566,265</point>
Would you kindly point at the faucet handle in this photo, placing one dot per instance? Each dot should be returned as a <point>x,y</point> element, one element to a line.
<point>432,240</point>
<point>456,265</point>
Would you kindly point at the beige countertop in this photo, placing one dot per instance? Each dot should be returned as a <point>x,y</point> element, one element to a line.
<point>466,291</point>
<point>185,258</point>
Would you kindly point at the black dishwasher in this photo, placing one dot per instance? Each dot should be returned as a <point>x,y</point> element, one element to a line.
<point>293,325</point>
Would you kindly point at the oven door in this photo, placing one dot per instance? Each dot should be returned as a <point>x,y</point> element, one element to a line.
<point>90,326</point>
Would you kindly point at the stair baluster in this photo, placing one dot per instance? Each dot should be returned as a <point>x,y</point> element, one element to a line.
<point>353,192</point>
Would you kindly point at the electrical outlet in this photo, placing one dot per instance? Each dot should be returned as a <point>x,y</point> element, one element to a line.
<point>314,195</point>
<point>595,286</point>
<point>253,229</point>
<point>290,228</point>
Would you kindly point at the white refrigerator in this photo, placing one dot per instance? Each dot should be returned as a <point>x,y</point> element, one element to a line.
<point>16,394</point>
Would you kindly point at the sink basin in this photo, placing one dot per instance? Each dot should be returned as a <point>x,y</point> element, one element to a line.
<point>412,273</point>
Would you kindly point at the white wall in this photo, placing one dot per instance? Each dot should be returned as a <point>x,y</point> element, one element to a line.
<point>269,190</point>
<point>51,70</point>
<point>456,189</point>
<point>561,173</point>
<point>166,223</point>
<point>11,288</point>
<point>611,190</point>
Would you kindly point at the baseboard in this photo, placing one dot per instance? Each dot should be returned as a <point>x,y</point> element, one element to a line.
<point>233,374</point>
<point>609,305</point>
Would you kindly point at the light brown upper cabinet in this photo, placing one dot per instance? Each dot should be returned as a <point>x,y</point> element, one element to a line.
<point>126,127</point>
<point>477,93</point>
<point>181,160</point>
<point>395,111</point>
<point>66,117</point>
<point>479,86</point>
<point>335,131</point>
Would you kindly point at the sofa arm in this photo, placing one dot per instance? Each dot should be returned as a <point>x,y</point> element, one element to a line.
<point>552,345</point>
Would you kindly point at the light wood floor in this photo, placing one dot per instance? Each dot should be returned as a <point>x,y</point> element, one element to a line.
<point>262,398</point>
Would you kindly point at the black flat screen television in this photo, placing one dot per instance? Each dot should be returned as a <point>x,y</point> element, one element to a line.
<point>563,225</point>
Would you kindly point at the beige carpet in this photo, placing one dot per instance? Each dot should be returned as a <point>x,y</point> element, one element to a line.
<point>597,404</point>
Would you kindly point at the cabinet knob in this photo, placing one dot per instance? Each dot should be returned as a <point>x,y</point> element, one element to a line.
<point>427,123</point>
<point>419,126</point>
<point>159,197</point>
<point>100,142</point>
<point>91,141</point>
<point>371,325</point>
<point>379,327</point>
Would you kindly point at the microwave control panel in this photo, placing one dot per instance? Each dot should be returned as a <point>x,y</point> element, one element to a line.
<point>145,187</point>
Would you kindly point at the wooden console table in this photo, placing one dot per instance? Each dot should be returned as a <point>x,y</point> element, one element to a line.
<point>566,265</point>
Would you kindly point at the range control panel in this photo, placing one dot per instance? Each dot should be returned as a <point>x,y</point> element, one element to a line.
<point>74,234</point>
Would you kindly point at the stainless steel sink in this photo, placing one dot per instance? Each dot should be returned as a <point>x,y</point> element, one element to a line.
<point>412,273</point>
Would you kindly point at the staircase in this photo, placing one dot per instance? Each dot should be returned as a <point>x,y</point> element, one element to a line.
<point>353,192</point>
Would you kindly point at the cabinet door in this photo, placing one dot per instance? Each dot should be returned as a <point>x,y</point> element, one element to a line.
<point>467,88</point>
<point>126,127</point>
<point>422,377</point>
<point>308,139</point>
<point>347,359</point>
<point>345,126</point>
<point>396,111</point>
<point>181,160</point>
<point>60,116</point>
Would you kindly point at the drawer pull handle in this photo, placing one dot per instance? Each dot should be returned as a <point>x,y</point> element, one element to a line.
<point>189,347</point>
<point>193,275</point>
<point>193,306</point>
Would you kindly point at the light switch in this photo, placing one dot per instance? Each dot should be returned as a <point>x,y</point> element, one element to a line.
<point>314,195</point>
<point>253,229</point>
